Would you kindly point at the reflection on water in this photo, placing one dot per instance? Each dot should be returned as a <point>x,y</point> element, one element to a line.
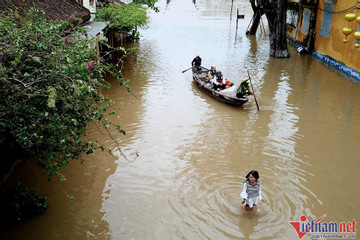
<point>194,152</point>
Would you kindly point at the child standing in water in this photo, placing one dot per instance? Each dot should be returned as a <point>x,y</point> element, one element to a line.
<point>251,193</point>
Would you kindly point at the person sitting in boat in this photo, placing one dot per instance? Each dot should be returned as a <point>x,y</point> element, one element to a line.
<point>244,89</point>
<point>212,71</point>
<point>196,63</point>
<point>220,86</point>
<point>218,81</point>
<point>218,76</point>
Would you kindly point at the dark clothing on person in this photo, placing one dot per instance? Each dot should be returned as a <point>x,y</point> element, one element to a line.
<point>221,87</point>
<point>219,78</point>
<point>197,63</point>
<point>219,81</point>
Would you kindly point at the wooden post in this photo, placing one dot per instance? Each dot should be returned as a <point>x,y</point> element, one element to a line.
<point>232,3</point>
<point>238,16</point>
<point>97,45</point>
<point>237,19</point>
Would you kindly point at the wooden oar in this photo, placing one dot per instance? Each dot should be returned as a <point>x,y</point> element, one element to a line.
<point>193,67</point>
<point>187,69</point>
<point>205,68</point>
<point>257,105</point>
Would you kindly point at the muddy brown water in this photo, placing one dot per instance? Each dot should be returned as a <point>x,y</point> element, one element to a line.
<point>194,151</point>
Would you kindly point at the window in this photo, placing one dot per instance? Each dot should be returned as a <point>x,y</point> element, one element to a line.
<point>326,20</point>
<point>306,21</point>
<point>330,1</point>
<point>292,17</point>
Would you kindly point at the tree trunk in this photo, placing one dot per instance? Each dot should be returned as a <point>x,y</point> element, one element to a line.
<point>255,19</point>
<point>277,27</point>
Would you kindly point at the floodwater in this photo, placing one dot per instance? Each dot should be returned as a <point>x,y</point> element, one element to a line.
<point>194,152</point>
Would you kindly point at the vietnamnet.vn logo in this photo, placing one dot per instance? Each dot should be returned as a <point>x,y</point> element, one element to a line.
<point>324,230</point>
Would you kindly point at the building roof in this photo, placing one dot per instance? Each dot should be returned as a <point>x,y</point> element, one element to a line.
<point>93,28</point>
<point>67,10</point>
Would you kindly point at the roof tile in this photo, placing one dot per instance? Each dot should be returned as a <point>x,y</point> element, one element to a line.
<point>67,10</point>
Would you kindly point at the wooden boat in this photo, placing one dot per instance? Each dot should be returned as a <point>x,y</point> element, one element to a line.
<point>228,95</point>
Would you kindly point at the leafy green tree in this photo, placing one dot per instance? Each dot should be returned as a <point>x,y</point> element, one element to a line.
<point>51,86</point>
<point>149,3</point>
<point>124,18</point>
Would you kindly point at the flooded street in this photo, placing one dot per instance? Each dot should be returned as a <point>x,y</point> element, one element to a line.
<point>194,152</point>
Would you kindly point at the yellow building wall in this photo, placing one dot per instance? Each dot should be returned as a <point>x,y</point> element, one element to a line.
<point>333,46</point>
<point>300,35</point>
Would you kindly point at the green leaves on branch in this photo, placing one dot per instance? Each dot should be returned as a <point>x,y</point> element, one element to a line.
<point>149,3</point>
<point>124,18</point>
<point>50,87</point>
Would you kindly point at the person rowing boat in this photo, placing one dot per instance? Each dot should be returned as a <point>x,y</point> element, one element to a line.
<point>196,63</point>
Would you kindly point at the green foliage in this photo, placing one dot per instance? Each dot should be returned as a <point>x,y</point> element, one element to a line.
<point>124,18</point>
<point>50,88</point>
<point>149,3</point>
<point>70,197</point>
<point>20,202</point>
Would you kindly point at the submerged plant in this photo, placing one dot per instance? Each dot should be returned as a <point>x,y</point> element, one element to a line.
<point>20,203</point>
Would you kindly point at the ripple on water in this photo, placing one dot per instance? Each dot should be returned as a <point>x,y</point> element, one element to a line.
<point>209,207</point>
